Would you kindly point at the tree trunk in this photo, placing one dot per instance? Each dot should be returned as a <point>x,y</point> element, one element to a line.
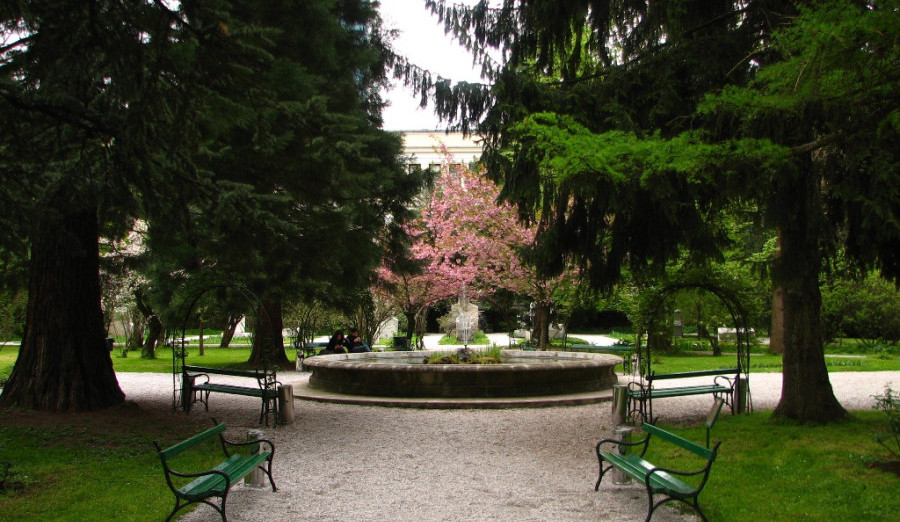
<point>230,326</point>
<point>63,362</point>
<point>155,327</point>
<point>806,393</point>
<point>268,343</point>
<point>541,331</point>
<point>776,333</point>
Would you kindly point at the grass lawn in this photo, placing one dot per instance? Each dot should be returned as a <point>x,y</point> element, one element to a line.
<point>102,466</point>
<point>787,472</point>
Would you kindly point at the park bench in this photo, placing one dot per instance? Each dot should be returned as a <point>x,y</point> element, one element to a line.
<point>266,387</point>
<point>658,480</point>
<point>641,395</point>
<point>310,349</point>
<point>215,482</point>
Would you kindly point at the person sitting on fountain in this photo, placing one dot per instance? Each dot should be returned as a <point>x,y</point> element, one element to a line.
<point>335,344</point>
<point>354,342</point>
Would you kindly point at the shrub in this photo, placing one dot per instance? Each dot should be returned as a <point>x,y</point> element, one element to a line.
<point>889,403</point>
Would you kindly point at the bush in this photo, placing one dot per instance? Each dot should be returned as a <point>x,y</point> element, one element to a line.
<point>868,309</point>
<point>889,403</point>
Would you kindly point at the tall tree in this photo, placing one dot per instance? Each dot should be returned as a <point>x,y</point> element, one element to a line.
<point>319,191</point>
<point>626,129</point>
<point>102,102</point>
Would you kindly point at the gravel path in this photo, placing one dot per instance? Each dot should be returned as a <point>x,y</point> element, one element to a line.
<point>351,463</point>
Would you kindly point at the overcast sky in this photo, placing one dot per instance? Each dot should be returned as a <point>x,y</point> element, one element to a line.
<point>423,41</point>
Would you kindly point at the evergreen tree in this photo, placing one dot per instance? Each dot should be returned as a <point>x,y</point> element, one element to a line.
<point>626,129</point>
<point>100,103</point>
<point>203,121</point>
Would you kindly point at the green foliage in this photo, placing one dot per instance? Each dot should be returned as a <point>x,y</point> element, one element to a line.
<point>487,355</point>
<point>868,308</point>
<point>478,338</point>
<point>12,314</point>
<point>889,403</point>
<point>817,472</point>
<point>56,470</point>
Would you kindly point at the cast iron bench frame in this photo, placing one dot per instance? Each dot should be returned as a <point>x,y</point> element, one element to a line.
<point>266,387</point>
<point>641,395</point>
<point>215,482</point>
<point>656,479</point>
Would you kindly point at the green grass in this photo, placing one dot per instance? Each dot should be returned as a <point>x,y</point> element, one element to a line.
<point>92,471</point>
<point>479,338</point>
<point>103,467</point>
<point>787,472</point>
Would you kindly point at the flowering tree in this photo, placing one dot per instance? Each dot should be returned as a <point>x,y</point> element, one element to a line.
<point>464,238</point>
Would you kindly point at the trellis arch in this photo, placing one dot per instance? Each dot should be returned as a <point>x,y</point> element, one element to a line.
<point>728,291</point>
<point>183,316</point>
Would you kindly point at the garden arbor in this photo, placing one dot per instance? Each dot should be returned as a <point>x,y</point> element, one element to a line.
<point>653,316</point>
<point>179,344</point>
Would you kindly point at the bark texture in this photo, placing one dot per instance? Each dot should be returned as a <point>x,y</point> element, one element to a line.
<point>63,363</point>
<point>806,393</point>
<point>268,344</point>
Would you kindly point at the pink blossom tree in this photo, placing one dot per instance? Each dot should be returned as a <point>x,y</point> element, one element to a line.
<point>463,238</point>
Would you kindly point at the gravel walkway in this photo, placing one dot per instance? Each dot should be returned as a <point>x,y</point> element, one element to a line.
<point>350,463</point>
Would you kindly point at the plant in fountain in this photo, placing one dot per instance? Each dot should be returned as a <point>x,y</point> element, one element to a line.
<point>491,355</point>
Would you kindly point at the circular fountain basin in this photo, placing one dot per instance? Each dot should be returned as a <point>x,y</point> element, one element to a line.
<point>404,374</point>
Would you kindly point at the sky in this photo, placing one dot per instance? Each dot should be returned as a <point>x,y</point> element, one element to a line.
<point>423,42</point>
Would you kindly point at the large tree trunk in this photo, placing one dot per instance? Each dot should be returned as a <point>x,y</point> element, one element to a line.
<point>63,363</point>
<point>806,393</point>
<point>268,343</point>
<point>776,332</point>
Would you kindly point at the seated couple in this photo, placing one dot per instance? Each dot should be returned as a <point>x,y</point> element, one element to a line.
<point>353,343</point>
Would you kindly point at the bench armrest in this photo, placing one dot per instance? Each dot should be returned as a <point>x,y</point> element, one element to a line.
<point>226,444</point>
<point>703,471</point>
<point>195,376</point>
<point>617,442</point>
<point>725,378</point>
<point>171,472</point>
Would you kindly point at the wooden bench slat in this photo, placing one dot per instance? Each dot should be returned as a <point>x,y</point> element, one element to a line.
<point>237,390</point>
<point>638,468</point>
<point>681,442</point>
<point>187,444</point>
<point>662,393</point>
<point>225,371</point>
<point>698,373</point>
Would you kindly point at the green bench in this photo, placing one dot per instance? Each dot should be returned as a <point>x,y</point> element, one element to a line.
<point>658,480</point>
<point>641,395</point>
<point>215,482</point>
<point>305,350</point>
<point>266,387</point>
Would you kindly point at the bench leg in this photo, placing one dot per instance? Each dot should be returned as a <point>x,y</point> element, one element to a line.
<point>695,504</point>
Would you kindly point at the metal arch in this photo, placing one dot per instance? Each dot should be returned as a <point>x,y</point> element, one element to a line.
<point>735,309</point>
<point>178,348</point>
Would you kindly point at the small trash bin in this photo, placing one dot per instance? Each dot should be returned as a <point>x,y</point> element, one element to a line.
<point>109,343</point>
<point>257,477</point>
<point>286,404</point>
<point>619,404</point>
<point>743,390</point>
<point>623,433</point>
<point>401,344</point>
